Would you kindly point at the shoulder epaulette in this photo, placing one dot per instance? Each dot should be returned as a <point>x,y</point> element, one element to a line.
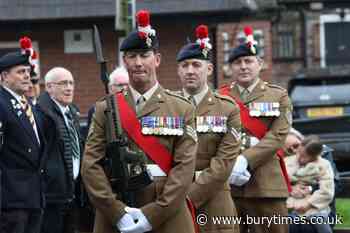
<point>225,98</point>
<point>177,94</point>
<point>275,86</point>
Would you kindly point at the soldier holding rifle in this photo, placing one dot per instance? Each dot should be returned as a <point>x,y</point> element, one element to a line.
<point>153,142</point>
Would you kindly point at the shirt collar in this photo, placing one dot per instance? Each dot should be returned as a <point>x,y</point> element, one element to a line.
<point>199,96</point>
<point>250,88</point>
<point>14,94</point>
<point>62,108</point>
<point>148,94</point>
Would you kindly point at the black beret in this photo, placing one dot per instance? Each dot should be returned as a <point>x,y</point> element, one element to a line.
<point>134,42</point>
<point>13,59</point>
<point>241,51</point>
<point>192,50</point>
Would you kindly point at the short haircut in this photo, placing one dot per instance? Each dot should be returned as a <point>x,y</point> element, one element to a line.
<point>51,75</point>
<point>312,145</point>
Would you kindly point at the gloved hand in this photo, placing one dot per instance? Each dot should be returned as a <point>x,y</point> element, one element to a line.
<point>239,179</point>
<point>125,221</point>
<point>142,225</point>
<point>241,165</point>
<point>254,141</point>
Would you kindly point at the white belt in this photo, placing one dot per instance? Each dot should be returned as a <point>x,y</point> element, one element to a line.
<point>155,170</point>
<point>197,174</point>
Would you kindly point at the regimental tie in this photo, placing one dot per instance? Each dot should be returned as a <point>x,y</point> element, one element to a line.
<point>29,113</point>
<point>28,110</point>
<point>192,100</point>
<point>244,95</point>
<point>73,136</point>
<point>140,103</point>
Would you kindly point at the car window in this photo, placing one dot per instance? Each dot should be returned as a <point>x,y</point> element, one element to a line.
<point>321,92</point>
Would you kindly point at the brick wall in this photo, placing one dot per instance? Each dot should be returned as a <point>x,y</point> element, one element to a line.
<point>50,38</point>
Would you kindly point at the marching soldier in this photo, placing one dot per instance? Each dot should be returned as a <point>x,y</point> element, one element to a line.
<point>258,185</point>
<point>217,126</point>
<point>160,126</point>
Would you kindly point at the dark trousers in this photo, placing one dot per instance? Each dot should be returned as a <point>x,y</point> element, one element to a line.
<point>59,218</point>
<point>20,220</point>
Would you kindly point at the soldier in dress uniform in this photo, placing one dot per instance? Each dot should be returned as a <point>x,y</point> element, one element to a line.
<point>160,126</point>
<point>258,186</point>
<point>218,129</point>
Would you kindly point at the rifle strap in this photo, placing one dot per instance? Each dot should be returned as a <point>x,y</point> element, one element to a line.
<point>156,151</point>
<point>257,128</point>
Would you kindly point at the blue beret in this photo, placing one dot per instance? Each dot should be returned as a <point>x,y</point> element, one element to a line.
<point>13,59</point>
<point>134,42</point>
<point>192,50</point>
<point>241,51</point>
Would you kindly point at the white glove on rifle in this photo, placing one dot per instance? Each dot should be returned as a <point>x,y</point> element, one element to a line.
<point>142,225</point>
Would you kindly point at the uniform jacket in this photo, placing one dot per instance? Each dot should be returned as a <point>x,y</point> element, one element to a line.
<point>216,154</point>
<point>322,197</point>
<point>267,179</point>
<point>22,158</point>
<point>59,176</point>
<point>163,201</point>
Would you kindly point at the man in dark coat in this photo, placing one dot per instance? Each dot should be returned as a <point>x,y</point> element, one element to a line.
<point>64,148</point>
<point>22,156</point>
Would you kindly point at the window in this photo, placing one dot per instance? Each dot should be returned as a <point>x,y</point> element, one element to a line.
<point>285,42</point>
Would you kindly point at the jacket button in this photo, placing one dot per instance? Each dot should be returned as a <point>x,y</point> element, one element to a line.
<point>42,171</point>
<point>29,150</point>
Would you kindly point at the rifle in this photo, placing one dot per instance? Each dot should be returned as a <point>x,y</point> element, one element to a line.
<point>119,158</point>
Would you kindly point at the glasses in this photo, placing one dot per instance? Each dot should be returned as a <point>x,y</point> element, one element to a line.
<point>34,81</point>
<point>64,83</point>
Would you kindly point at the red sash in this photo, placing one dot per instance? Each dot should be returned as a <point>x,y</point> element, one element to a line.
<point>156,151</point>
<point>257,128</point>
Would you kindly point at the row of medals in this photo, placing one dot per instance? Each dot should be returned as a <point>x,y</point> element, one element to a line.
<point>216,124</point>
<point>264,109</point>
<point>159,125</point>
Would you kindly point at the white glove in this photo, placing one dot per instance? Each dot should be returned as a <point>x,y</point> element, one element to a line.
<point>254,141</point>
<point>241,165</point>
<point>125,221</point>
<point>239,179</point>
<point>142,224</point>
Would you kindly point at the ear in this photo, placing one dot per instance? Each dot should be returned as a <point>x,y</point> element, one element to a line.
<point>210,68</point>
<point>158,57</point>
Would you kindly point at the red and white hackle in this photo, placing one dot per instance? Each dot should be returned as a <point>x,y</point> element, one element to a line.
<point>203,39</point>
<point>144,26</point>
<point>251,43</point>
<point>27,48</point>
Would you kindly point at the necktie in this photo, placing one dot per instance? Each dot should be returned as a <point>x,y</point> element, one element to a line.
<point>244,94</point>
<point>28,110</point>
<point>73,135</point>
<point>140,103</point>
<point>192,100</point>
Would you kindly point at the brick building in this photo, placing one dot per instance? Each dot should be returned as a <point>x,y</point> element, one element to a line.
<point>62,34</point>
<point>311,35</point>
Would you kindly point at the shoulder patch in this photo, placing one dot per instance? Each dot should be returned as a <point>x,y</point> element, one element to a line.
<point>176,94</point>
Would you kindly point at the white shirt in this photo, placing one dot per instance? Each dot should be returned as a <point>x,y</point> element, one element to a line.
<point>18,98</point>
<point>147,95</point>
<point>75,161</point>
<point>199,96</point>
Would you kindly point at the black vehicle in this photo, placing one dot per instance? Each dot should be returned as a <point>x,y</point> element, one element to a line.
<point>321,102</point>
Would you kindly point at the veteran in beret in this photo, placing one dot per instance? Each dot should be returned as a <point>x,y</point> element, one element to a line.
<point>160,126</point>
<point>259,187</point>
<point>218,128</point>
<point>22,170</point>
